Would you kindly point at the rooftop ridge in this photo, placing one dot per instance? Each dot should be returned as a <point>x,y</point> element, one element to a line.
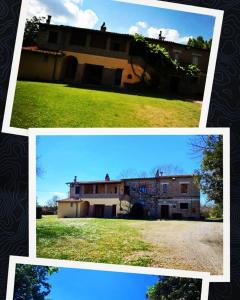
<point>121,34</point>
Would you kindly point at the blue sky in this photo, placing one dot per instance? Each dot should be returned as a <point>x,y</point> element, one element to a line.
<point>125,18</point>
<point>91,157</point>
<point>72,284</point>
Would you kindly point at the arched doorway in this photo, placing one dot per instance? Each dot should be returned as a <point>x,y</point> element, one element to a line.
<point>84,209</point>
<point>137,211</point>
<point>70,68</point>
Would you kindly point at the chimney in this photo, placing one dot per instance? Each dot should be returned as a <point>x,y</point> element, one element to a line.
<point>103,27</point>
<point>157,174</point>
<point>107,177</point>
<point>75,179</point>
<point>48,21</point>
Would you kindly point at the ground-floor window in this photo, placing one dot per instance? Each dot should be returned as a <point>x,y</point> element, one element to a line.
<point>183,205</point>
<point>118,76</point>
<point>93,74</point>
<point>114,210</point>
<point>99,211</point>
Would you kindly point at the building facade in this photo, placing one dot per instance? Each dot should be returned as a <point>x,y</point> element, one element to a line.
<point>159,197</point>
<point>99,57</point>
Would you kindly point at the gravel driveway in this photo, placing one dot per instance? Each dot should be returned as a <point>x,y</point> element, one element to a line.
<point>189,245</point>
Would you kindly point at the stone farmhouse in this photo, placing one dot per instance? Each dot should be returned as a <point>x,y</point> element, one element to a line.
<point>98,57</point>
<point>160,197</point>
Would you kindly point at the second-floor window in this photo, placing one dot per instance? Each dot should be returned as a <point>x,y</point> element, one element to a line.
<point>98,41</point>
<point>143,189</point>
<point>77,190</point>
<point>177,55</point>
<point>195,60</point>
<point>96,189</point>
<point>164,188</point>
<point>184,188</point>
<point>78,38</point>
<point>53,37</point>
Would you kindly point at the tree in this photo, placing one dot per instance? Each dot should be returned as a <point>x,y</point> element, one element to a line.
<point>167,170</point>
<point>210,175</point>
<point>199,42</point>
<point>53,203</point>
<point>127,173</point>
<point>175,288</point>
<point>157,58</point>
<point>31,282</point>
<point>31,30</point>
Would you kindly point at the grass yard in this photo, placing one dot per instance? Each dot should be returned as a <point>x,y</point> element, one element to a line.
<point>58,105</point>
<point>188,245</point>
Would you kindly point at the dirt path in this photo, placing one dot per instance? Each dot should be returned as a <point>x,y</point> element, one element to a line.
<point>186,245</point>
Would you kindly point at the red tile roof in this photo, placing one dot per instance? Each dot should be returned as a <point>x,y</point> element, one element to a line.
<point>47,52</point>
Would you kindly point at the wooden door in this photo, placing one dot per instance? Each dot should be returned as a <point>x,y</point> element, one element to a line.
<point>164,211</point>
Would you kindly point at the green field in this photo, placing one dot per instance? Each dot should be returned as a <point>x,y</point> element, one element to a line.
<point>58,105</point>
<point>95,240</point>
<point>187,245</point>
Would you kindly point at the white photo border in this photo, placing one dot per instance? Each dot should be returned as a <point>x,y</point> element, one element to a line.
<point>218,14</point>
<point>33,133</point>
<point>14,260</point>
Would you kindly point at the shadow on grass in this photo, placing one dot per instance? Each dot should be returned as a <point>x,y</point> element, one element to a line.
<point>145,92</point>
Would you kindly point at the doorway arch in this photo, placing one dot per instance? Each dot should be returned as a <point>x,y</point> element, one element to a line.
<point>70,68</point>
<point>137,211</point>
<point>84,209</point>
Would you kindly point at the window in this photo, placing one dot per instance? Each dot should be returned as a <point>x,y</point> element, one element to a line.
<point>183,205</point>
<point>77,190</point>
<point>71,204</point>
<point>118,76</point>
<point>126,190</point>
<point>88,189</point>
<point>114,210</point>
<point>45,58</point>
<point>96,190</point>
<point>78,38</point>
<point>115,46</point>
<point>164,187</point>
<point>194,80</point>
<point>195,60</point>
<point>174,206</point>
<point>176,55</point>
<point>98,41</point>
<point>184,188</point>
<point>129,76</point>
<point>53,37</point>
<point>115,190</point>
<point>143,189</point>
<point>118,44</point>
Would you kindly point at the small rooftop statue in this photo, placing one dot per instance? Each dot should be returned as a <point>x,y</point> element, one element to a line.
<point>103,27</point>
<point>161,38</point>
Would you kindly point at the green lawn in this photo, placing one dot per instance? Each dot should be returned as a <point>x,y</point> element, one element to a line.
<point>58,105</point>
<point>185,245</point>
<point>94,240</point>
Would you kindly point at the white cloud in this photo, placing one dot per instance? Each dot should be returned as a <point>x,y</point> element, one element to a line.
<point>170,34</point>
<point>142,24</point>
<point>82,18</point>
<point>35,8</point>
<point>71,13</point>
<point>133,29</point>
